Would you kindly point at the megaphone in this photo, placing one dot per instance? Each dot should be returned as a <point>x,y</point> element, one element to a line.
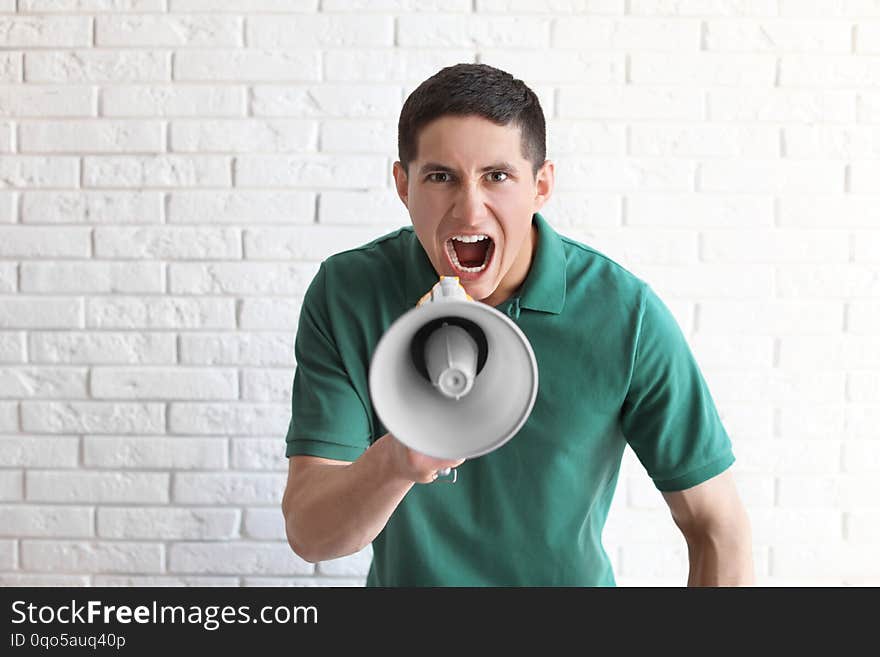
<point>453,378</point>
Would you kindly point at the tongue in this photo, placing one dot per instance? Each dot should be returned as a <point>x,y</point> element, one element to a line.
<point>471,254</point>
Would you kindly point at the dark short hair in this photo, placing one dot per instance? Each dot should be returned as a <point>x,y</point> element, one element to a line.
<point>473,89</point>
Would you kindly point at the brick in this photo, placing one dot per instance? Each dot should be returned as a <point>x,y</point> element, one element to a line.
<point>716,211</point>
<point>813,353</point>
<point>240,278</point>
<point>8,277</point>
<point>669,561</point>
<point>167,523</point>
<point>40,312</point>
<point>101,348</point>
<point>154,452</point>
<point>862,527</point>
<point>97,487</point>
<point>229,419</point>
<point>11,66</point>
<point>92,417</point>
<point>228,488</point>
<point>250,64</point>
<point>757,317</point>
<point>810,421</point>
<point>263,524</point>
<point>568,211</point>
<point>371,207</point>
<point>863,177</point>
<point>163,383</point>
<point>827,281</point>
<point>703,7</point>
<point>827,559</point>
<point>161,581</point>
<point>843,491</point>
<point>866,246</point>
<point>160,313</point>
<point>8,207</point>
<point>629,246</point>
<point>775,246</point>
<point>90,136</point>
<point>630,103</point>
<point>29,580</point>
<point>157,171</point>
<point>34,521</point>
<point>107,277</point>
<point>608,7</point>
<point>733,351</point>
<point>252,207</point>
<point>868,107</point>
<point>174,100</point>
<point>167,243</point>
<point>778,36</point>
<point>708,280</point>
<point>326,101</point>
<point>237,558</point>
<point>318,32</point>
<point>861,456</point>
<point>92,557</point>
<point>357,136</point>
<point>12,347</point>
<point>630,34</point>
<point>826,141</point>
<point>252,7</point>
<point>27,241</point>
<point>11,484</point>
<point>828,211</point>
<point>28,171</point>
<point>309,171</point>
<point>782,526</point>
<point>389,64</point>
<point>157,31</point>
<point>828,71</point>
<point>314,242</point>
<point>42,382</point>
<point>236,349</point>
<point>8,555</point>
<point>245,136</point>
<point>863,387</point>
<point>601,174</point>
<point>353,565</point>
<point>704,140</point>
<point>304,581</point>
<point>563,66</point>
<point>7,137</point>
<point>718,69</point>
<point>264,454</point>
<point>91,5</point>
<point>266,385</point>
<point>22,451</point>
<point>97,66</point>
<point>781,386</point>
<point>862,420</point>
<point>586,138</point>
<point>863,317</point>
<point>770,177</point>
<point>627,526</point>
<point>781,105</point>
<point>91,207</point>
<point>458,31</point>
<point>279,314</point>
<point>45,31</point>
<point>823,8</point>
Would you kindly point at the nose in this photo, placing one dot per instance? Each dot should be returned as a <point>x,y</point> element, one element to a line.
<point>469,203</point>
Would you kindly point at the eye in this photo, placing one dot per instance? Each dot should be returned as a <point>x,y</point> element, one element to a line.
<point>430,176</point>
<point>497,173</point>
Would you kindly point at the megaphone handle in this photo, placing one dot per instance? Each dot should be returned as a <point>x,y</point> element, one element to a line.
<point>445,473</point>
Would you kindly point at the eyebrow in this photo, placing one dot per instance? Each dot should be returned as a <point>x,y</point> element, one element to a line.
<point>435,166</point>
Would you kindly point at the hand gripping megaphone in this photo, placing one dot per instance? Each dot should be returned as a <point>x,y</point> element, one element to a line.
<point>453,378</point>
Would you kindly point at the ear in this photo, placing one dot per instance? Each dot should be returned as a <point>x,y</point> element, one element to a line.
<point>544,181</point>
<point>401,182</point>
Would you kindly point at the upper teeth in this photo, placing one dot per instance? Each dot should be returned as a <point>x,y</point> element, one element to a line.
<point>470,238</point>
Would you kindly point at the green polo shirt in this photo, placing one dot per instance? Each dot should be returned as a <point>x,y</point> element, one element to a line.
<point>614,368</point>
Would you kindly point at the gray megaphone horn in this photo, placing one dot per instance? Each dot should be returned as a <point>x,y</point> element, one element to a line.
<point>453,378</point>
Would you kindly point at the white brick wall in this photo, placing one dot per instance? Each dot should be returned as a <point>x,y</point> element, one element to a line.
<point>173,171</point>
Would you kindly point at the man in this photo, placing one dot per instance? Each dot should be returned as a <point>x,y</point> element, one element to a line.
<point>614,369</point>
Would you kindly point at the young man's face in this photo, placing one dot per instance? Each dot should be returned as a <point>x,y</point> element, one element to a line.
<point>471,181</point>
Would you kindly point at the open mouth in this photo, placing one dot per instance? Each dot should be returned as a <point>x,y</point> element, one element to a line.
<point>470,254</point>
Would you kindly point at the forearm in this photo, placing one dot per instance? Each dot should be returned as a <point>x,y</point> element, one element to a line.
<point>721,560</point>
<point>338,510</point>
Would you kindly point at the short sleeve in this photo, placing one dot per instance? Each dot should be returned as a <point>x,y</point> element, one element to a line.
<point>328,418</point>
<point>668,417</point>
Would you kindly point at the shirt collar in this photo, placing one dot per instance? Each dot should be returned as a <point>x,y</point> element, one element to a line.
<point>544,286</point>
